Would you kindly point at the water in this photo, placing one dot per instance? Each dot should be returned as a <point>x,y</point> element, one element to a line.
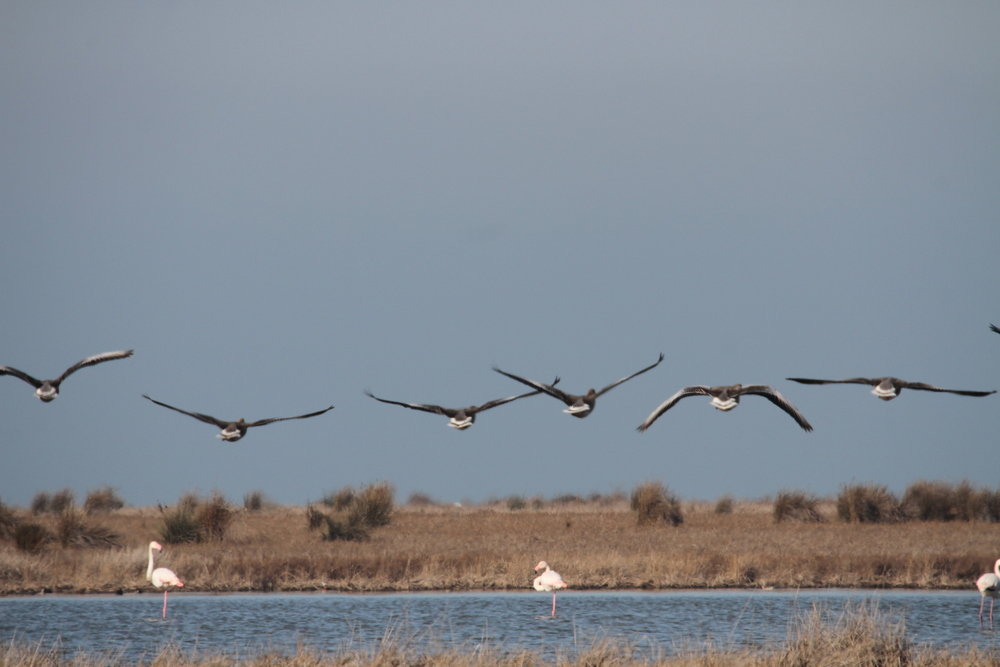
<point>131,626</point>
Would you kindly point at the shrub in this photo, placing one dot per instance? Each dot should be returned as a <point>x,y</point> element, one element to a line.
<point>179,524</point>
<point>61,501</point>
<point>796,506</point>
<point>31,537</point>
<point>929,501</point>
<point>419,499</point>
<point>724,505</point>
<point>40,503</point>
<point>339,500</point>
<point>370,508</point>
<point>8,522</point>
<point>213,518</point>
<point>652,502</point>
<point>515,503</point>
<point>373,505</point>
<point>254,501</point>
<point>102,501</point>
<point>869,503</point>
<point>72,531</point>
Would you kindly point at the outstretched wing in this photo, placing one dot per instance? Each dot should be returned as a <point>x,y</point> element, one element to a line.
<point>261,422</point>
<point>773,395</point>
<point>929,387</point>
<point>994,328</point>
<point>694,390</point>
<point>629,377</point>
<point>501,401</point>
<point>96,359</point>
<point>436,409</point>
<point>868,381</point>
<point>540,386</point>
<point>208,419</point>
<point>7,370</point>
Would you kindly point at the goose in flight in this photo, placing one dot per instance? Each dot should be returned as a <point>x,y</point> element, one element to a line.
<point>888,388</point>
<point>726,398</point>
<point>994,328</point>
<point>47,390</point>
<point>577,405</point>
<point>460,418</point>
<point>233,430</point>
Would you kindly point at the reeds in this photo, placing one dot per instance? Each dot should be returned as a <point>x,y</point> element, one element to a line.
<point>858,635</point>
<point>796,506</point>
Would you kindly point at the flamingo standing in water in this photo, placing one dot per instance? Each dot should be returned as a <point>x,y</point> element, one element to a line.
<point>989,584</point>
<point>549,580</point>
<point>161,577</point>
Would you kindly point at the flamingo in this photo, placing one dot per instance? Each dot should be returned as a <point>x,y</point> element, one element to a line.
<point>549,580</point>
<point>460,418</point>
<point>47,390</point>
<point>161,577</point>
<point>989,585</point>
<point>726,398</point>
<point>233,430</point>
<point>578,405</point>
<point>888,388</point>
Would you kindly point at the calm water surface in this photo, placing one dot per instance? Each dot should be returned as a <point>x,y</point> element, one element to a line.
<point>246,624</point>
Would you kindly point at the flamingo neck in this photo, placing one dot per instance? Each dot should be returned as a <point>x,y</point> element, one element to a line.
<point>996,568</point>
<point>149,568</point>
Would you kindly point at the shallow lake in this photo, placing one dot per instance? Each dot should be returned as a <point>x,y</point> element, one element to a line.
<point>653,623</point>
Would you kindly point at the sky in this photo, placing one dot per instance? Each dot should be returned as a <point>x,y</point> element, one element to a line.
<point>279,206</point>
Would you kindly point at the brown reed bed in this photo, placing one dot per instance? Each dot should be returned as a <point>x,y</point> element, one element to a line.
<point>857,635</point>
<point>491,547</point>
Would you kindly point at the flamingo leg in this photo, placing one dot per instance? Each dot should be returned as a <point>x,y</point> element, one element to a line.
<point>164,603</point>
<point>982,601</point>
<point>992,600</point>
<point>553,603</point>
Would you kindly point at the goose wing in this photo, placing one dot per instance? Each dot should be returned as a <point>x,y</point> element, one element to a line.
<point>262,422</point>
<point>96,359</point>
<point>929,387</point>
<point>500,401</point>
<point>694,390</point>
<point>994,328</point>
<point>208,419</point>
<point>540,386</point>
<point>436,409</point>
<point>7,370</point>
<point>773,395</point>
<point>868,381</point>
<point>629,377</point>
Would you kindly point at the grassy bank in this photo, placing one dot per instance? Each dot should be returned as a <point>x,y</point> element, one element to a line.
<point>858,635</point>
<point>594,546</point>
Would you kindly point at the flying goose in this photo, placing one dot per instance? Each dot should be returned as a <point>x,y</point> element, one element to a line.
<point>888,388</point>
<point>726,398</point>
<point>460,418</point>
<point>995,328</point>
<point>578,405</point>
<point>47,390</point>
<point>233,430</point>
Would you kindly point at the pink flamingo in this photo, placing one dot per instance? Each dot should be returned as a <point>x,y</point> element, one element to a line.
<point>989,584</point>
<point>161,577</point>
<point>549,580</point>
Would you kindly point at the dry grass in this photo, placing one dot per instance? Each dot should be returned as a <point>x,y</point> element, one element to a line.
<point>594,545</point>
<point>859,635</point>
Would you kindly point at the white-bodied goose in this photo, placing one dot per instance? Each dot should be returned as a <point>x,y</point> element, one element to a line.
<point>234,430</point>
<point>460,418</point>
<point>577,405</point>
<point>47,390</point>
<point>888,388</point>
<point>726,398</point>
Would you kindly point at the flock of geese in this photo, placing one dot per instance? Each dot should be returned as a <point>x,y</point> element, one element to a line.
<point>723,397</point>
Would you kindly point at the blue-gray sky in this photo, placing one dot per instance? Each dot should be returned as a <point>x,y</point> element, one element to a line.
<point>278,206</point>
